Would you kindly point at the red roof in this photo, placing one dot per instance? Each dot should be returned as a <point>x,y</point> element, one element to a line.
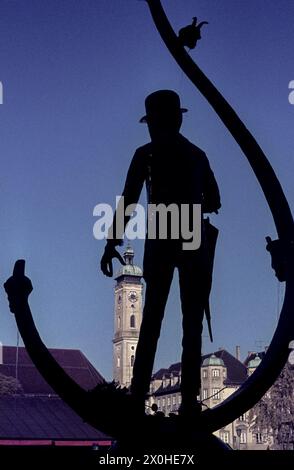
<point>29,419</point>
<point>72,360</point>
<point>38,416</point>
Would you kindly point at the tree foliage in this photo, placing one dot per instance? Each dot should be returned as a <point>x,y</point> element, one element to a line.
<point>273,415</point>
<point>9,385</point>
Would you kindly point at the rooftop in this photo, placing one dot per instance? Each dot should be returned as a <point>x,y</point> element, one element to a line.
<point>236,370</point>
<point>37,415</point>
<point>253,363</point>
<point>252,355</point>
<point>72,360</point>
<point>42,418</point>
<point>212,361</point>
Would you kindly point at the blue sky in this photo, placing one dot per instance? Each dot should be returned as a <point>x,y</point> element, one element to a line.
<point>75,74</point>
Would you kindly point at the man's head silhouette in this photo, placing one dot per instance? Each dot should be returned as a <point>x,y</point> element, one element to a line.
<point>163,114</point>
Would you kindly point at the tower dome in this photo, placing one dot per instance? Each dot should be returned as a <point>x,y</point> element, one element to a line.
<point>254,363</point>
<point>129,269</point>
<point>213,361</point>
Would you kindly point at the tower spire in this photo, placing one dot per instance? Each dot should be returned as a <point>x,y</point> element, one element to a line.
<point>129,254</point>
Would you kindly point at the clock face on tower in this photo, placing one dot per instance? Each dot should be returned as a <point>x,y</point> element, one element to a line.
<point>133,296</point>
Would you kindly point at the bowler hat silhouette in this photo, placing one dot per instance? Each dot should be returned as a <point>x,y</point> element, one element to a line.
<point>162,103</point>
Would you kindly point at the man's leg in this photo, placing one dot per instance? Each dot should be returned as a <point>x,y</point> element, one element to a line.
<point>157,289</point>
<point>193,299</point>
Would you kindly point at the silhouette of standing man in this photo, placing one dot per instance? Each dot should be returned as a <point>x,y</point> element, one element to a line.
<point>175,172</point>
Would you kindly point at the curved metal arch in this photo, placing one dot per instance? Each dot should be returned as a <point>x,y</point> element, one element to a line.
<point>265,375</point>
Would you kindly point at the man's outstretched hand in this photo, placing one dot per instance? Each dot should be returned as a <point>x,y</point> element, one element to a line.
<point>18,287</point>
<point>106,261</point>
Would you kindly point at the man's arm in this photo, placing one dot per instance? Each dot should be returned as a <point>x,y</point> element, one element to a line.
<point>131,193</point>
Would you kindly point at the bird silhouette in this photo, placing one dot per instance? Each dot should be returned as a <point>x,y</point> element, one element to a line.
<point>189,35</point>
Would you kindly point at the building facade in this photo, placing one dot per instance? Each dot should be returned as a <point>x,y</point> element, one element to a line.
<point>221,375</point>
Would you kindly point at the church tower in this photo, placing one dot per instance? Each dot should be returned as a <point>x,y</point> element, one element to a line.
<point>127,318</point>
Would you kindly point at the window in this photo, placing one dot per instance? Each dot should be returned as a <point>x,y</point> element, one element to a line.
<point>204,374</point>
<point>174,399</point>
<point>118,322</point>
<point>168,401</point>
<point>243,437</point>
<point>258,438</point>
<point>225,436</point>
<point>204,394</point>
<point>132,321</point>
<point>215,372</point>
<point>215,393</point>
<point>132,360</point>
